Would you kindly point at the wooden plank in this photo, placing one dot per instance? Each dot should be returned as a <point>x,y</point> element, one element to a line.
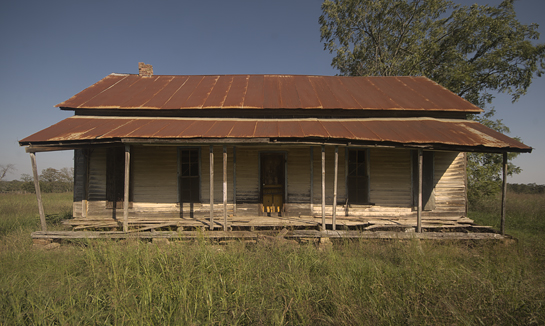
<point>503,193</point>
<point>323,188</point>
<point>211,187</point>
<point>38,191</point>
<point>335,177</point>
<point>311,180</point>
<point>224,188</point>
<point>419,205</point>
<point>126,189</point>
<point>234,180</point>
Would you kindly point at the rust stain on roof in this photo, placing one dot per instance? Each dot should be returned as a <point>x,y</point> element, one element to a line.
<point>163,92</point>
<point>400,130</point>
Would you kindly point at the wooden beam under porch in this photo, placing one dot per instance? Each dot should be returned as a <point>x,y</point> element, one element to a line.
<point>251,222</point>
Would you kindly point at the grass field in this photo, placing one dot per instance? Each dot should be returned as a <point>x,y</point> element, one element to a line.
<point>363,283</point>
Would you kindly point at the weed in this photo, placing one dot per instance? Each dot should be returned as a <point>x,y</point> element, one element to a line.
<point>357,282</point>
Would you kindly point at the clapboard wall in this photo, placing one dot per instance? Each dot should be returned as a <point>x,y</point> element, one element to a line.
<point>154,183</point>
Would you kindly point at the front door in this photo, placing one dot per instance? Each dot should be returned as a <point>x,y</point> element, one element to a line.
<point>272,182</point>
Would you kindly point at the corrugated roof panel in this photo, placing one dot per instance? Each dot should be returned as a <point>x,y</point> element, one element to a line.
<point>325,95</point>
<point>105,126</point>
<point>202,92</point>
<point>290,129</point>
<point>370,97</point>
<point>254,94</point>
<point>92,91</point>
<point>336,129</point>
<point>243,129</point>
<point>220,129</point>
<point>153,86</point>
<point>109,97</point>
<point>266,128</point>
<point>342,94</point>
<point>409,93</point>
<point>387,132</point>
<point>172,130</point>
<point>442,97</point>
<point>160,98</point>
<point>138,87</point>
<point>288,93</point>
<point>268,91</point>
<point>179,98</point>
<point>399,93</point>
<point>218,94</point>
<point>151,128</point>
<point>271,93</point>
<point>497,136</point>
<point>127,129</point>
<point>237,92</point>
<point>360,130</point>
<point>313,128</point>
<point>197,129</point>
<point>401,131</point>
<point>306,93</point>
<point>62,129</point>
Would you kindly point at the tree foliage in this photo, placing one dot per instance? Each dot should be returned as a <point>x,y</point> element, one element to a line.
<point>5,169</point>
<point>469,50</point>
<point>51,180</point>
<point>473,51</point>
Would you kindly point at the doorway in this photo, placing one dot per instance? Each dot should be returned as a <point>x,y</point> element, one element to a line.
<point>272,183</point>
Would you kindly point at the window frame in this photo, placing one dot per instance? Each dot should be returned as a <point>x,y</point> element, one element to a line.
<point>366,200</point>
<point>197,176</point>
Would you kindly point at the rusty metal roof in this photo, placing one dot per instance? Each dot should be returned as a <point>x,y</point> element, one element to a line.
<point>404,131</point>
<point>162,92</point>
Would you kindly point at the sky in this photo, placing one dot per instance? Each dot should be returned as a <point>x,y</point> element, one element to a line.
<point>51,50</point>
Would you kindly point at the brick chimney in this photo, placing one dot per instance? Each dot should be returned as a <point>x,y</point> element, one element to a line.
<point>145,70</point>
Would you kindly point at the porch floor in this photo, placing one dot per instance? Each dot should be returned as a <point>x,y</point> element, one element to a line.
<point>257,227</point>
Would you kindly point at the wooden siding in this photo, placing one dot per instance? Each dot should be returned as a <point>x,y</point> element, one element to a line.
<point>390,177</point>
<point>97,175</point>
<point>154,185</point>
<point>154,174</point>
<point>80,182</point>
<point>450,187</point>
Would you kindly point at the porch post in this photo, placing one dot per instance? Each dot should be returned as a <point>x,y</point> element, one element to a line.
<point>38,192</point>
<point>126,189</point>
<point>334,213</point>
<point>211,187</point>
<point>419,208</point>
<point>311,180</point>
<point>224,188</point>
<point>503,193</point>
<point>346,180</point>
<point>323,187</point>
<point>234,180</point>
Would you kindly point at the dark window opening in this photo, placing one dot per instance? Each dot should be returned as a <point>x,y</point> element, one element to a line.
<point>115,177</point>
<point>428,196</point>
<point>358,177</point>
<point>188,176</point>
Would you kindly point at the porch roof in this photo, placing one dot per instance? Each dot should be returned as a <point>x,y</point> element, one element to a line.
<point>444,134</point>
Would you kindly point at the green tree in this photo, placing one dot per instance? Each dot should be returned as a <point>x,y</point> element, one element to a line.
<point>473,51</point>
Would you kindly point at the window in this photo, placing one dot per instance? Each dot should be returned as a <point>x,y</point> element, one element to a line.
<point>428,195</point>
<point>358,177</point>
<point>188,175</point>
<point>115,177</point>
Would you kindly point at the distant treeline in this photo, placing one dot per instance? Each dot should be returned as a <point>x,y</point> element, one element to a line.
<point>530,188</point>
<point>51,180</point>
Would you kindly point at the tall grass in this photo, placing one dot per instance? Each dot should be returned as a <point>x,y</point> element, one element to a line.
<point>353,282</point>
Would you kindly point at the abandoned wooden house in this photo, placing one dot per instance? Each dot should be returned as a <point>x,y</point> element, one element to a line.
<point>236,152</point>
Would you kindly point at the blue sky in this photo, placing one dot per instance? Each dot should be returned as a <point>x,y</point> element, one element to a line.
<point>50,50</point>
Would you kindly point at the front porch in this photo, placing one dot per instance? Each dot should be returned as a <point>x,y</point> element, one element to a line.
<point>276,228</point>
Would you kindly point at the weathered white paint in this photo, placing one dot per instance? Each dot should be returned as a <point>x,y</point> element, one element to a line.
<point>154,185</point>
